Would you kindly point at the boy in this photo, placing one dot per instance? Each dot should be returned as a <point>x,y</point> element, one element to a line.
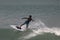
<point>29,19</point>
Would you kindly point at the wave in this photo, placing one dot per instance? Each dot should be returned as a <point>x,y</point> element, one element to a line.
<point>39,28</point>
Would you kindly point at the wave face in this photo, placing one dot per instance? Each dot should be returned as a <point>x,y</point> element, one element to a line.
<point>46,27</point>
<point>39,28</point>
<point>38,31</point>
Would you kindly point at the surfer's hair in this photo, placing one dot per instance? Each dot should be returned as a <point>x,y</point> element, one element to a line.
<point>30,15</point>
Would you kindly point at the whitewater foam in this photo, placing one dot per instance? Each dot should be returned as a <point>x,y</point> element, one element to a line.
<point>39,28</point>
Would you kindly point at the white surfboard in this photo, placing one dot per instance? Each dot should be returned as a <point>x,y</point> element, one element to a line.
<point>23,28</point>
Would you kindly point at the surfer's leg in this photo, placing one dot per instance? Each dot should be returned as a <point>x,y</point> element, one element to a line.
<point>22,25</point>
<point>27,25</point>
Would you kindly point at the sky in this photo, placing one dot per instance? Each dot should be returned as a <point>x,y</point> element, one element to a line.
<point>29,2</point>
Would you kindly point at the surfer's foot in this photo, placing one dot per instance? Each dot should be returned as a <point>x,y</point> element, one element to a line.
<point>18,27</point>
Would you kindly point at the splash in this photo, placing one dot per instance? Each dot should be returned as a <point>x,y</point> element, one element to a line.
<point>39,28</point>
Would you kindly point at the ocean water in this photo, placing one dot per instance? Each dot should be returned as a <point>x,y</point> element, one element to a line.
<point>45,27</point>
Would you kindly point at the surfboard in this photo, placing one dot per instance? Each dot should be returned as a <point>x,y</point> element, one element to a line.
<point>14,27</point>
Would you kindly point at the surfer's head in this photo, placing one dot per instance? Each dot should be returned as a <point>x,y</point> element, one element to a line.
<point>30,16</point>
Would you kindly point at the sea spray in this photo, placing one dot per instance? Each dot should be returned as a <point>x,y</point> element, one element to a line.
<point>39,28</point>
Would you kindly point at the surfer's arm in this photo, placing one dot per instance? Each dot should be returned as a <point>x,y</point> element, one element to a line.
<point>25,18</point>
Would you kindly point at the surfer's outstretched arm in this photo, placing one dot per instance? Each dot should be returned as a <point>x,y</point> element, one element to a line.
<point>25,18</point>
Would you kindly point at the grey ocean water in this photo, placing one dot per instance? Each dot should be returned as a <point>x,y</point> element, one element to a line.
<point>46,14</point>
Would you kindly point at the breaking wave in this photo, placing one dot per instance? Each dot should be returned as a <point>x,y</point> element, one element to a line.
<point>39,28</point>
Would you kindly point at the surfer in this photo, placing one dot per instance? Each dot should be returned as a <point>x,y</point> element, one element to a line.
<point>29,19</point>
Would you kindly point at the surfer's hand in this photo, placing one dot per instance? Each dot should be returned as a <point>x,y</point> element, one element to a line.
<point>24,18</point>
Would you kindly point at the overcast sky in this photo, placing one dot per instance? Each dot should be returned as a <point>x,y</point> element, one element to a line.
<point>28,2</point>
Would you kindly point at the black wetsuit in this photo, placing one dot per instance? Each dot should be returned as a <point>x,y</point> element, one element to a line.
<point>27,22</point>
